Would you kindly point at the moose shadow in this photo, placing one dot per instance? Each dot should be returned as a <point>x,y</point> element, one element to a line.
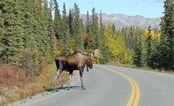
<point>64,88</point>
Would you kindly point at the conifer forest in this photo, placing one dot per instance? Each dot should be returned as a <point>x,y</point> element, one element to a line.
<point>34,32</point>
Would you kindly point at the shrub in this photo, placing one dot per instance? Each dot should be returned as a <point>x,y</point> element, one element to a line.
<point>12,77</point>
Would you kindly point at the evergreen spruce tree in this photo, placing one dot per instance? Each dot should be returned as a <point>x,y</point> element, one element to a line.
<point>66,30</point>
<point>87,23</point>
<point>93,31</point>
<point>101,31</point>
<point>1,35</point>
<point>45,17</point>
<point>163,49</point>
<point>76,28</point>
<point>70,31</point>
<point>38,44</point>
<point>154,55</point>
<point>38,28</point>
<point>149,46</point>
<point>30,44</point>
<point>52,37</point>
<point>102,43</point>
<point>95,27</point>
<point>167,42</point>
<point>139,58</point>
<point>57,22</point>
<point>64,24</point>
<point>13,32</point>
<point>28,20</point>
<point>70,21</point>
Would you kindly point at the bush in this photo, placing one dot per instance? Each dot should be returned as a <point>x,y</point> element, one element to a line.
<point>16,78</point>
<point>11,77</point>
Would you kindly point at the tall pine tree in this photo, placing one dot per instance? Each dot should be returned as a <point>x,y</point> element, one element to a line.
<point>102,43</point>
<point>66,31</point>
<point>76,28</point>
<point>1,34</point>
<point>167,38</point>
<point>57,21</point>
<point>139,55</point>
<point>92,29</point>
<point>13,32</point>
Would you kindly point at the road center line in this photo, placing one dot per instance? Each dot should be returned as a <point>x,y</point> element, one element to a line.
<point>135,92</point>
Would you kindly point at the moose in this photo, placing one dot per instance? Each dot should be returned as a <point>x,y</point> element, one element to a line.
<point>75,61</point>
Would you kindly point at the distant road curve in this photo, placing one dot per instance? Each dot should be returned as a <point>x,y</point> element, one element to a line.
<point>109,85</point>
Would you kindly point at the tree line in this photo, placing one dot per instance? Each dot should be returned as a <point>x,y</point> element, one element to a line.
<point>32,31</point>
<point>156,53</point>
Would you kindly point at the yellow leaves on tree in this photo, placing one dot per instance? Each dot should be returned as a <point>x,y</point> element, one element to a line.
<point>152,34</point>
<point>158,36</point>
<point>127,57</point>
<point>72,46</point>
<point>116,44</point>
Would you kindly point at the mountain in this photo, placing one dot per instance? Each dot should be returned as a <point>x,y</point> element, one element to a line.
<point>121,20</point>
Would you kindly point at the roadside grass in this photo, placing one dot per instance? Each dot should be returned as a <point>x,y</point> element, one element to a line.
<point>145,68</point>
<point>39,84</point>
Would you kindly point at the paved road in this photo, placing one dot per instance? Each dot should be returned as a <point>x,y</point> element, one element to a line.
<point>117,86</point>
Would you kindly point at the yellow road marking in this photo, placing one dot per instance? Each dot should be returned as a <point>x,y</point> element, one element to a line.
<point>135,92</point>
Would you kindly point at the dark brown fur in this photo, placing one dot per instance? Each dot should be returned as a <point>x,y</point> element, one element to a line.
<point>76,61</point>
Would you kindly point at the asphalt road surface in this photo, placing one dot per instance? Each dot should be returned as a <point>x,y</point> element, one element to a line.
<point>109,85</point>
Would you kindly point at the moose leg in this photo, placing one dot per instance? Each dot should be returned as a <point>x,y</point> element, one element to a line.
<point>87,67</point>
<point>57,77</point>
<point>69,84</point>
<point>81,78</point>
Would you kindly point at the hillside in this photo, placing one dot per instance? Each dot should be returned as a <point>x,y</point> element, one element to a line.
<point>121,20</point>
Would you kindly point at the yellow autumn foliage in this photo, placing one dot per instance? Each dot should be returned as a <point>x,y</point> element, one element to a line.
<point>115,43</point>
<point>72,50</point>
<point>153,34</point>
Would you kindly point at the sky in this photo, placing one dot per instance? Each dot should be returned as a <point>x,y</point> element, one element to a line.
<point>146,8</point>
